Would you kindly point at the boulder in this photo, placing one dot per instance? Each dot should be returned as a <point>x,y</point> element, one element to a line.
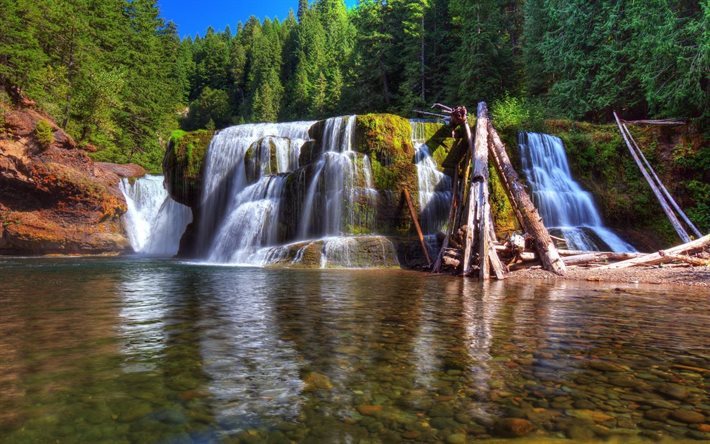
<point>53,198</point>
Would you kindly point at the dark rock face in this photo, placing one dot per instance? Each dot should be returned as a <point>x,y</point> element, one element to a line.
<point>53,197</point>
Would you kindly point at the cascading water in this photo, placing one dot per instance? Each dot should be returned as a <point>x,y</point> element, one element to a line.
<point>245,171</point>
<point>255,189</point>
<point>154,222</point>
<point>434,186</point>
<point>564,206</point>
<point>340,196</point>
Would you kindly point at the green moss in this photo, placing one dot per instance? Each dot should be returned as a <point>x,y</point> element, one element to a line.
<point>44,134</point>
<point>184,162</point>
<point>501,208</point>
<point>384,136</point>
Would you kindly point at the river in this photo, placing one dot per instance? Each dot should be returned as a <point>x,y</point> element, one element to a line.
<point>143,350</point>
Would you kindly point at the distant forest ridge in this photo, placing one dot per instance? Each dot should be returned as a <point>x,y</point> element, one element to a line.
<point>115,75</point>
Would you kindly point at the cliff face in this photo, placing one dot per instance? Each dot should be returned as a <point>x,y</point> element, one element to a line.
<point>53,197</point>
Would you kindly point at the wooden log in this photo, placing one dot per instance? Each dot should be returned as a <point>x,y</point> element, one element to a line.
<point>697,262</point>
<point>478,217</point>
<point>532,222</point>
<point>661,199</point>
<point>450,221</point>
<point>415,219</point>
<point>587,258</point>
<point>471,206</point>
<point>656,258</point>
<point>662,187</point>
<point>657,122</point>
<point>504,180</point>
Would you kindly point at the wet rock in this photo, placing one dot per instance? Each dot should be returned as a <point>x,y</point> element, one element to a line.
<point>604,366</point>
<point>513,427</point>
<point>369,410</point>
<point>584,404</point>
<point>316,381</point>
<point>674,391</point>
<point>657,414</point>
<point>590,415</point>
<point>688,416</point>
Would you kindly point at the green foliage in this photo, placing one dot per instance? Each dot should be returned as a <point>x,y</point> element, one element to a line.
<point>518,114</point>
<point>44,134</point>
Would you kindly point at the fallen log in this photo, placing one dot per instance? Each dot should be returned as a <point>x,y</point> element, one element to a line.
<point>662,187</point>
<point>450,220</point>
<point>532,222</point>
<point>415,219</point>
<point>661,256</point>
<point>694,261</point>
<point>587,258</point>
<point>656,191</point>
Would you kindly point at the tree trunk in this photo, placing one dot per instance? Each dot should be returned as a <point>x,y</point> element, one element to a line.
<point>657,258</point>
<point>661,199</point>
<point>532,222</point>
<point>415,219</point>
<point>596,256</point>
<point>662,187</point>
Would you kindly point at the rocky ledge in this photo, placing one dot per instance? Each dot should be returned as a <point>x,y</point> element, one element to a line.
<point>53,198</point>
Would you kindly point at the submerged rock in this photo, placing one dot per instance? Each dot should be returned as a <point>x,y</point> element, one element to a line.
<point>513,427</point>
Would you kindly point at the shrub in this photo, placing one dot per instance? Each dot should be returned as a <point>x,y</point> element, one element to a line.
<point>519,114</point>
<point>44,134</point>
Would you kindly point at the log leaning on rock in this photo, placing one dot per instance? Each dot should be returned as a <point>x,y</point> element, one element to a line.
<point>532,222</point>
<point>662,256</point>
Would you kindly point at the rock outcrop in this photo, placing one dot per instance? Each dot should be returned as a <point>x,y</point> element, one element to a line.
<point>53,198</point>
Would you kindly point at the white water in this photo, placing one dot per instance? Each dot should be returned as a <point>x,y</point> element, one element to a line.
<point>245,192</point>
<point>341,192</point>
<point>434,186</point>
<point>154,222</point>
<point>564,206</point>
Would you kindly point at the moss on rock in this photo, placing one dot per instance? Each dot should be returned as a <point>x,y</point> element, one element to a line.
<point>183,164</point>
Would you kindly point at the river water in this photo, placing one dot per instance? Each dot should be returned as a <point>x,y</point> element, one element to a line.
<point>140,350</point>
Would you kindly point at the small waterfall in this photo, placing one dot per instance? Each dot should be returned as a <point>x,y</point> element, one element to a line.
<point>154,222</point>
<point>434,186</point>
<point>564,206</point>
<point>341,196</point>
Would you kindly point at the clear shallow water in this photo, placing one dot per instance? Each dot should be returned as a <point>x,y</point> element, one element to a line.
<point>121,350</point>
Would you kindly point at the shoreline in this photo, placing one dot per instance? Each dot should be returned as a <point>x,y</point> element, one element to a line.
<point>686,276</point>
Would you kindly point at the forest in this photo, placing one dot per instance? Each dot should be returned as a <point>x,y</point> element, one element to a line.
<point>117,76</point>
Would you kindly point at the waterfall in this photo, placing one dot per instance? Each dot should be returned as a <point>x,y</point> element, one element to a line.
<point>341,196</point>
<point>564,206</point>
<point>258,201</point>
<point>154,222</point>
<point>245,171</point>
<point>434,186</point>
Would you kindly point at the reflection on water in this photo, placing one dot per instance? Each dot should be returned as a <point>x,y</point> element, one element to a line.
<point>157,351</point>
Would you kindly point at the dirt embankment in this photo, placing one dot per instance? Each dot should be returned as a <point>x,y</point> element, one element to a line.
<point>53,197</point>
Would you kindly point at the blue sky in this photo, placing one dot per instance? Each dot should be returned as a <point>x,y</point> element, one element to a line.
<point>193,17</point>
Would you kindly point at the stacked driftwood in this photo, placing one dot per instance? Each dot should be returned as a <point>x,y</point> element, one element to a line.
<point>469,246</point>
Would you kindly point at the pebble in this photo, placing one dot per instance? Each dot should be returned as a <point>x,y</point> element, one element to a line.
<point>674,391</point>
<point>688,416</point>
<point>657,414</point>
<point>513,427</point>
<point>604,366</point>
